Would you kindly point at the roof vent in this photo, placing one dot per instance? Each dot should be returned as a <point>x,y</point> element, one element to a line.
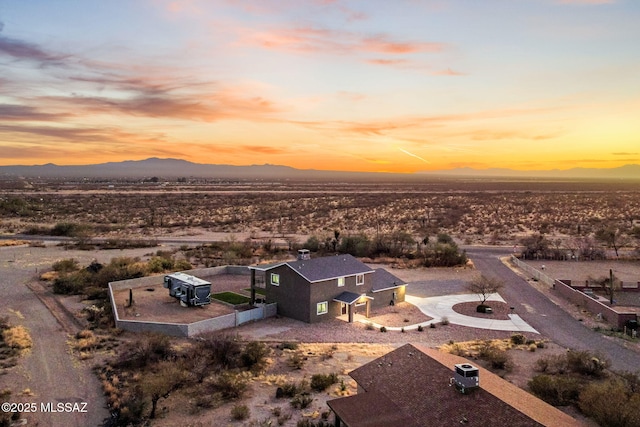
<point>466,377</point>
<point>304,254</point>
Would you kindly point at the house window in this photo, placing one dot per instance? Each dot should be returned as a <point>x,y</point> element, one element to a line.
<point>322,308</point>
<point>340,281</point>
<point>360,279</point>
<point>275,279</point>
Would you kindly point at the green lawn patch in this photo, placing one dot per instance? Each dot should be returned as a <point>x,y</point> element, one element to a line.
<point>258,291</point>
<point>231,298</point>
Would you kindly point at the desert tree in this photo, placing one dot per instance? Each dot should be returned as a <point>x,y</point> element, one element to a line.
<point>612,237</point>
<point>168,376</point>
<point>484,286</point>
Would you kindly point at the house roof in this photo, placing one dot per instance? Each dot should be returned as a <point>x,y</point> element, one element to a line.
<point>383,280</point>
<point>416,380</point>
<point>349,297</point>
<point>324,268</point>
<point>370,410</point>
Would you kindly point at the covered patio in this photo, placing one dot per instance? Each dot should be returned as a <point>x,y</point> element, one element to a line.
<point>350,300</point>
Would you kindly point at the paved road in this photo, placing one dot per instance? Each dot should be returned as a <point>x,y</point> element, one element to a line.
<point>549,319</point>
<point>49,372</point>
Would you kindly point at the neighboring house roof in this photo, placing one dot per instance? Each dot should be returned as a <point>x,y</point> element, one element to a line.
<point>324,268</point>
<point>370,410</point>
<point>383,280</point>
<point>415,380</point>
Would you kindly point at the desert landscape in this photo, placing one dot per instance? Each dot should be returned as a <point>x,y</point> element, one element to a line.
<point>69,237</point>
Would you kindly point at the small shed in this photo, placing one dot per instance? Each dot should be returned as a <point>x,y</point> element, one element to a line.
<point>189,290</point>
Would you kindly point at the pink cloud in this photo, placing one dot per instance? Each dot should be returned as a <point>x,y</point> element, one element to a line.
<point>392,62</point>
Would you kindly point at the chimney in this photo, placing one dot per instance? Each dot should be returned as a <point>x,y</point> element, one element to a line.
<point>304,254</point>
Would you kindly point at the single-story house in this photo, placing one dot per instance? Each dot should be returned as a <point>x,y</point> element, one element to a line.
<point>415,386</point>
<point>316,289</point>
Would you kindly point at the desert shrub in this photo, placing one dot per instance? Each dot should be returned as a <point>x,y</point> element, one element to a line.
<point>288,346</point>
<point>129,410</point>
<point>556,390</point>
<point>358,245</point>
<point>291,389</point>
<point>288,389</point>
<point>95,293</point>
<point>70,284</point>
<point>159,264</point>
<point>518,339</point>
<point>297,360</point>
<point>254,356</point>
<point>69,229</point>
<point>552,364</point>
<point>151,349</point>
<point>312,243</point>
<point>611,403</point>
<point>420,328</point>
<point>231,385</point>
<point>240,412</point>
<point>499,359</point>
<point>301,401</point>
<point>320,382</point>
<point>65,265</point>
<point>383,329</point>
<point>443,255</point>
<point>223,351</point>
<point>586,363</point>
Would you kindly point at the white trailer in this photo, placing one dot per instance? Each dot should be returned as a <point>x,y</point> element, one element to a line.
<point>189,290</point>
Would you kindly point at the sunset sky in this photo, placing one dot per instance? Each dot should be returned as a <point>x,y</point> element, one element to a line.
<point>369,85</point>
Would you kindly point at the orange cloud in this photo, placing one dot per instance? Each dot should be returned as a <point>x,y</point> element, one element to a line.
<point>264,149</point>
<point>310,39</point>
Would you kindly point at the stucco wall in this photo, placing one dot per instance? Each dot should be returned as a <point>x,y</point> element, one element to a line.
<point>183,329</point>
<point>609,314</point>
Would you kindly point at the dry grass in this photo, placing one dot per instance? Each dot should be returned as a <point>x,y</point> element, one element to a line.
<point>49,276</point>
<point>475,348</point>
<point>17,337</point>
<point>13,242</point>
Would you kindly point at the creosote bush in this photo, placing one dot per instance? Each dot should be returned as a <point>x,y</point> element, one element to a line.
<point>240,412</point>
<point>320,382</point>
<point>518,339</point>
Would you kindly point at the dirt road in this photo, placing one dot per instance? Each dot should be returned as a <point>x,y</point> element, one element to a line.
<point>49,374</point>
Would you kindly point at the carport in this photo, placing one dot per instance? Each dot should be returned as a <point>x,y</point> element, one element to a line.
<point>349,300</point>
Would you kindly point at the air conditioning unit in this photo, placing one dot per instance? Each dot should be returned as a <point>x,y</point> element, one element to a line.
<point>466,377</point>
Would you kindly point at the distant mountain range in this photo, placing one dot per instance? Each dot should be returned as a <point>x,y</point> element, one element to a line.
<point>175,168</point>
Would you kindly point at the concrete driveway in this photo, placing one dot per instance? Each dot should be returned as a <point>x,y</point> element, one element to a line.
<point>442,306</point>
